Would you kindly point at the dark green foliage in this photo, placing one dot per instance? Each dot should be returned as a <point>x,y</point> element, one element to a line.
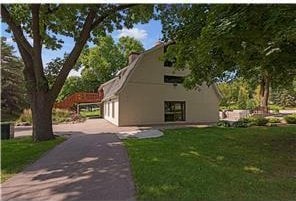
<point>240,124</point>
<point>260,121</point>
<point>52,70</point>
<point>254,121</point>
<point>72,84</point>
<point>127,45</point>
<point>101,62</point>
<point>223,123</point>
<point>290,119</point>
<point>221,42</point>
<point>210,164</point>
<point>13,98</point>
<point>237,93</point>
<point>284,96</point>
<point>275,108</point>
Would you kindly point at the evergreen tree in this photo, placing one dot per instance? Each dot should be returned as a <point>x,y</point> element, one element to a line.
<point>13,99</point>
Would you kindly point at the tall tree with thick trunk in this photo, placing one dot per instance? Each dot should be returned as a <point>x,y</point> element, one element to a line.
<point>255,42</point>
<point>45,24</point>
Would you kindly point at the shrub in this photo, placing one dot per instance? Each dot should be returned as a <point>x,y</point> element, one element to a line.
<point>275,108</point>
<point>240,124</point>
<point>233,107</point>
<point>259,121</point>
<point>252,121</point>
<point>58,116</point>
<point>290,119</point>
<point>274,120</point>
<point>251,104</point>
<point>223,123</point>
<point>248,120</point>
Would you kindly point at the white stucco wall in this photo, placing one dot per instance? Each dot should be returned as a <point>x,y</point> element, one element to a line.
<point>142,99</point>
<point>111,110</point>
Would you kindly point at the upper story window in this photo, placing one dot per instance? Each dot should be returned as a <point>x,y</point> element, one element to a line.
<point>167,62</point>
<point>173,79</point>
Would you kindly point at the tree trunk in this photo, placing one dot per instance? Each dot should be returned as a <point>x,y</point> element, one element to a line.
<point>42,116</point>
<point>264,93</point>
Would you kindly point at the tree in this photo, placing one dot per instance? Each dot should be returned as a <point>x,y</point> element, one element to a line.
<point>72,84</point>
<point>45,24</point>
<point>243,98</point>
<point>256,42</point>
<point>284,96</point>
<point>103,61</point>
<point>237,94</point>
<point>127,45</point>
<point>12,89</point>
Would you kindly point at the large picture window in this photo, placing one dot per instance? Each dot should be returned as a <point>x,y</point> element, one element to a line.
<point>174,110</point>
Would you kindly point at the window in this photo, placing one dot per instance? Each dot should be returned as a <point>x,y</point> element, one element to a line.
<point>108,109</point>
<point>173,79</point>
<point>105,109</point>
<point>113,109</point>
<point>174,110</point>
<point>167,62</point>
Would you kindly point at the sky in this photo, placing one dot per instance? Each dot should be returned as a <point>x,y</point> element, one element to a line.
<point>148,34</point>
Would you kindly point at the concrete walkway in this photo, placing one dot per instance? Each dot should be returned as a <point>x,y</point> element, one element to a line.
<point>90,126</point>
<point>91,165</point>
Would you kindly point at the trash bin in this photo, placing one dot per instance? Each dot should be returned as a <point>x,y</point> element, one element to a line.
<point>7,130</point>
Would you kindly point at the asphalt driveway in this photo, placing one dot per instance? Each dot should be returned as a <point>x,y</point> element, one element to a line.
<point>91,165</point>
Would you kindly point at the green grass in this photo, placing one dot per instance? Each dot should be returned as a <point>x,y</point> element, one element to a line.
<point>19,152</point>
<point>209,164</point>
<point>94,113</point>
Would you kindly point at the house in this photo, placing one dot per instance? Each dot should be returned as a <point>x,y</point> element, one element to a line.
<point>149,91</point>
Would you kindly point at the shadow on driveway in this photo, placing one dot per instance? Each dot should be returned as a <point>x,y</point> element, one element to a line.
<point>84,167</point>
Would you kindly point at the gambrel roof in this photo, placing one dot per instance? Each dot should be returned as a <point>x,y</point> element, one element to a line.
<point>113,87</point>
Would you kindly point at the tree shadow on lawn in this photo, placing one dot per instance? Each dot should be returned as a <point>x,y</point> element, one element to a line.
<point>85,167</point>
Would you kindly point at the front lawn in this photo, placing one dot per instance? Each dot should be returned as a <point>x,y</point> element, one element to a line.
<point>19,152</point>
<point>94,113</point>
<point>204,164</point>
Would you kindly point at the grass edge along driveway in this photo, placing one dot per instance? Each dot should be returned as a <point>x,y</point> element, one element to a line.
<point>216,164</point>
<point>19,152</point>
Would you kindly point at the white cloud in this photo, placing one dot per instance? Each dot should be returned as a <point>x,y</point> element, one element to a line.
<point>75,73</point>
<point>9,40</point>
<point>139,34</point>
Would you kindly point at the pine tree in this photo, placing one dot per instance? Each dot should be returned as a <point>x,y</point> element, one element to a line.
<point>12,83</point>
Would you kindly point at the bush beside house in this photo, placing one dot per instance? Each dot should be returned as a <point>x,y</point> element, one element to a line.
<point>290,119</point>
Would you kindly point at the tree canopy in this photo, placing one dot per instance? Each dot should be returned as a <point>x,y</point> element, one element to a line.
<point>101,62</point>
<point>127,45</point>
<point>256,42</point>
